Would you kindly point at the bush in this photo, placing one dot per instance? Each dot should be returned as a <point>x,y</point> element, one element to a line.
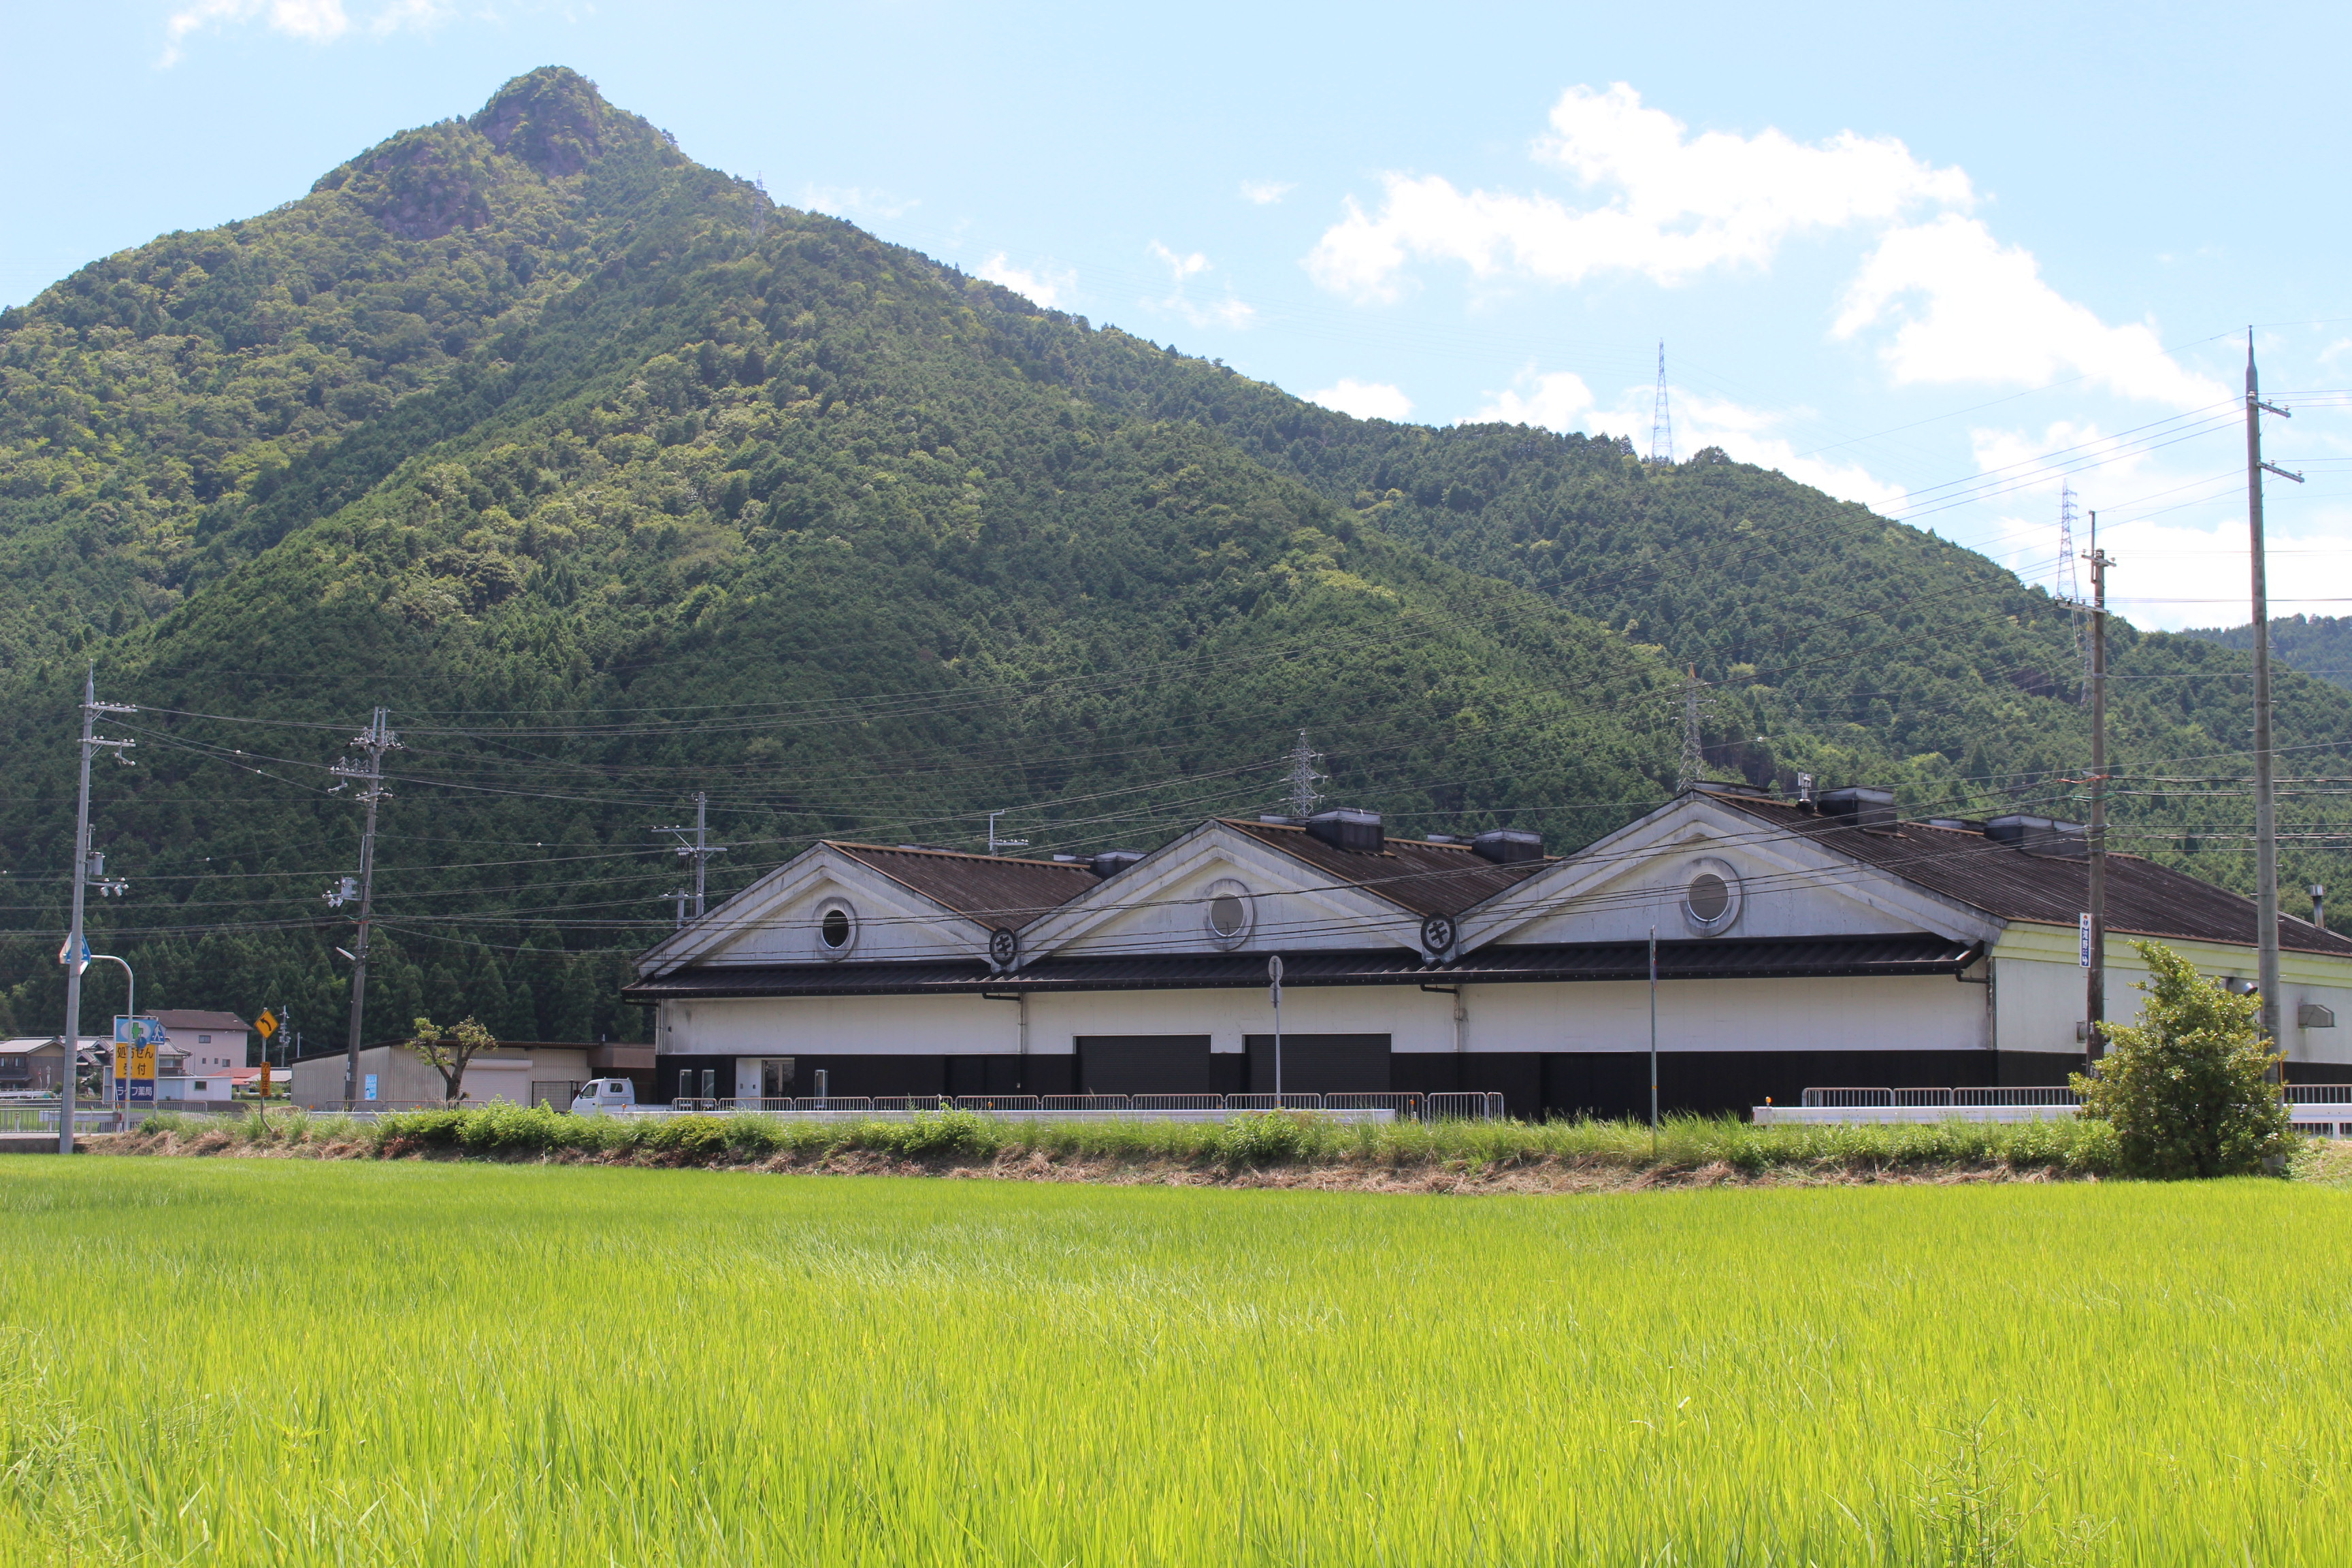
<point>2188,1088</point>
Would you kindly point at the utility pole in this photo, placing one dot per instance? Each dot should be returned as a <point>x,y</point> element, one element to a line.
<point>2094,1046</point>
<point>994,843</point>
<point>74,955</point>
<point>2266,905</point>
<point>698,848</point>
<point>374,740</point>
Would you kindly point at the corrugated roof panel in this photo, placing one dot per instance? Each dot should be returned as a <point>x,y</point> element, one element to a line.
<point>2144,898</point>
<point>1426,879</point>
<point>994,890</point>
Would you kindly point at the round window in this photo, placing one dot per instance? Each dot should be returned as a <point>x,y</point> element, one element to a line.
<point>1226,913</point>
<point>1711,897</point>
<point>837,932</point>
<point>1708,897</point>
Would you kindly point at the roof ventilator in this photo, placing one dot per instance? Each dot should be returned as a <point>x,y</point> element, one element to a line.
<point>2041,836</point>
<point>1111,862</point>
<point>1861,807</point>
<point>1508,846</point>
<point>1347,828</point>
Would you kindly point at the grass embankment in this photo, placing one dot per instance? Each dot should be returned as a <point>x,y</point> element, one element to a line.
<point>279,1361</point>
<point>1286,1147</point>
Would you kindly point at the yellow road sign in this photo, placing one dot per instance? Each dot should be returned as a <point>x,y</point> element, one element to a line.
<point>267,1022</point>
<point>142,1062</point>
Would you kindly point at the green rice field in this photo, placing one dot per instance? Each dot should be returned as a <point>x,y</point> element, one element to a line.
<point>289,1360</point>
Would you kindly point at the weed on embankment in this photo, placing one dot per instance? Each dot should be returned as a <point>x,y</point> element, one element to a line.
<point>1247,1147</point>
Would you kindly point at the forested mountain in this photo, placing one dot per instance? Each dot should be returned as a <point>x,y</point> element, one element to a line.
<point>2317,645</point>
<point>616,483</point>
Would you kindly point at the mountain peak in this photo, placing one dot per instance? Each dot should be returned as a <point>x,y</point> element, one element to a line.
<point>552,119</point>
<point>425,182</point>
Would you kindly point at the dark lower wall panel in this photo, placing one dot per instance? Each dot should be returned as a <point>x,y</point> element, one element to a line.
<point>873,1074</point>
<point>1146,1064</point>
<point>1320,1064</point>
<point>1609,1084</point>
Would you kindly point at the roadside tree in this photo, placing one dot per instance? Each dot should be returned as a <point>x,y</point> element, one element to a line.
<point>2187,1086</point>
<point>449,1050</point>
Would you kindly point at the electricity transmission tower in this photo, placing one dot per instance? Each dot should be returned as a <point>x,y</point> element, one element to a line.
<point>372,742</point>
<point>1692,766</point>
<point>698,848</point>
<point>1304,796</point>
<point>1661,423</point>
<point>2070,586</point>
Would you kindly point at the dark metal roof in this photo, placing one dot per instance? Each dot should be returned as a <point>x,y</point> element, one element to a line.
<point>1427,879</point>
<point>2143,897</point>
<point>995,889</point>
<point>1762,958</point>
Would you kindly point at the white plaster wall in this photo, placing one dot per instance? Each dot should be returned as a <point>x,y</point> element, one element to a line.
<point>1923,1013</point>
<point>2042,999</point>
<point>1168,917</point>
<point>1774,902</point>
<point>890,926</point>
<point>1934,1013</point>
<point>846,1026</point>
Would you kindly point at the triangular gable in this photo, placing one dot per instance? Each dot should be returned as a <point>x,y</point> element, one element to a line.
<point>1776,884</point>
<point>1164,903</point>
<point>780,919</point>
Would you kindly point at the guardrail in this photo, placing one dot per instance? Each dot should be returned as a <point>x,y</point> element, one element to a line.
<point>1401,1103</point>
<point>1864,1099</point>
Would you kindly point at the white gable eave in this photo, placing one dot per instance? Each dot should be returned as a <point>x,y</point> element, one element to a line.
<point>1162,904</point>
<point>1791,885</point>
<point>766,922</point>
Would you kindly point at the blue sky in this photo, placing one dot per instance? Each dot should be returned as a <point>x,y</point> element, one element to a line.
<point>1939,262</point>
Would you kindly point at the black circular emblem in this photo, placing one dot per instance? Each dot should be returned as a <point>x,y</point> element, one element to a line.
<point>1437,933</point>
<point>1003,946</point>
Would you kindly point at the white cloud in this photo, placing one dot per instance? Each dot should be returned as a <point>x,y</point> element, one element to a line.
<point>855,202</point>
<point>1557,401</point>
<point>1045,289</point>
<point>422,14</point>
<point>314,21</point>
<point>1676,205</point>
<point>1265,193</point>
<point>1364,399</point>
<point>1226,312</point>
<point>1967,308</point>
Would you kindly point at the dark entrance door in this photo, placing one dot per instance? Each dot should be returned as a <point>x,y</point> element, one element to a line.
<point>1145,1064</point>
<point>1320,1064</point>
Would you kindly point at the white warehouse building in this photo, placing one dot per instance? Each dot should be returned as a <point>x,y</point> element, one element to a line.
<point>1798,945</point>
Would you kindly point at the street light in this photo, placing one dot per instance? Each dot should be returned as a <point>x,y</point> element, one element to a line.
<point>131,1007</point>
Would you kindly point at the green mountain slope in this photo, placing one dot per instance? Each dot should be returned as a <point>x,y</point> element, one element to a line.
<point>616,483</point>
<point>2318,646</point>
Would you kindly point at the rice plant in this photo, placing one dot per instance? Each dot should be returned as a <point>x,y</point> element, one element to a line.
<point>438,1362</point>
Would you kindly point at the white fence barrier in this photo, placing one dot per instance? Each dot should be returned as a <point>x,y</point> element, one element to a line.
<point>2308,1103</point>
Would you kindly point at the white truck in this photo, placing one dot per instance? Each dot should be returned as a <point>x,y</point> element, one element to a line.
<point>605,1097</point>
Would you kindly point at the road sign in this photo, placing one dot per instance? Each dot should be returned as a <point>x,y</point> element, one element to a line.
<point>1274,977</point>
<point>135,1070</point>
<point>266,1025</point>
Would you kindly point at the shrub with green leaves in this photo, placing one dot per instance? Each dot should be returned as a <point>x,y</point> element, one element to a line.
<point>2188,1089</point>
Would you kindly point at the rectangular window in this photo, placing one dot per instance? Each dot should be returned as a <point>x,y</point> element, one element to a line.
<point>686,1083</point>
<point>204,1039</point>
<point>710,1083</point>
